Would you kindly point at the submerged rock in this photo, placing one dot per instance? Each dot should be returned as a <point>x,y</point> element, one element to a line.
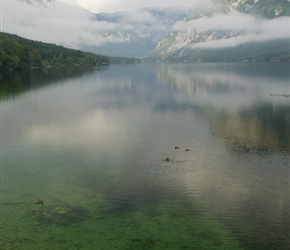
<point>61,210</point>
<point>61,216</point>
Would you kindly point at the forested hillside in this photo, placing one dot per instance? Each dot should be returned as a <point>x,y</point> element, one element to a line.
<point>19,53</point>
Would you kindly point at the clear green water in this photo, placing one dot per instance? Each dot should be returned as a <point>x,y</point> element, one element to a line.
<point>93,144</point>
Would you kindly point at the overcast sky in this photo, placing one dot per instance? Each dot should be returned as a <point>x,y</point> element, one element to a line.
<point>121,5</point>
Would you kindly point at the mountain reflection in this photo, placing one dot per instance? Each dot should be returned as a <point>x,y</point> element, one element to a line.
<point>234,99</point>
<point>237,105</point>
<point>260,128</point>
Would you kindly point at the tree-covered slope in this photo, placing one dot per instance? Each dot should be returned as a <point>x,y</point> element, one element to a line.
<point>19,53</point>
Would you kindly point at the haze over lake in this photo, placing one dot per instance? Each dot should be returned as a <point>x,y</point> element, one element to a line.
<point>98,146</point>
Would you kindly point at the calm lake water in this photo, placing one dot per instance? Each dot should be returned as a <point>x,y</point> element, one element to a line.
<point>98,146</point>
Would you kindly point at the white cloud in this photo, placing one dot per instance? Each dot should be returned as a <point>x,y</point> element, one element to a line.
<point>71,26</point>
<point>58,23</point>
<point>233,21</point>
<point>245,26</point>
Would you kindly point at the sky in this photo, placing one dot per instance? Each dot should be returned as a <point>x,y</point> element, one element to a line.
<point>71,26</point>
<point>131,5</point>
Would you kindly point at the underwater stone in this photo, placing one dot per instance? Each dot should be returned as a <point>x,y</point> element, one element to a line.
<point>61,210</point>
<point>61,216</point>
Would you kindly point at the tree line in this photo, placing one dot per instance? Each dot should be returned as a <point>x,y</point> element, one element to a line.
<point>17,53</point>
<point>266,51</point>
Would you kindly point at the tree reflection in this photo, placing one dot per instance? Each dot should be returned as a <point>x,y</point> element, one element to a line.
<point>20,82</point>
<point>263,127</point>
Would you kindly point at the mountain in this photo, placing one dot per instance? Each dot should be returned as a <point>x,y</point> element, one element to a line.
<point>217,30</point>
<point>229,30</point>
<point>211,30</point>
<point>262,8</point>
<point>134,33</point>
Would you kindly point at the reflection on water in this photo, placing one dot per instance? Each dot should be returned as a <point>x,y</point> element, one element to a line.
<point>19,82</point>
<point>237,101</point>
<point>94,147</point>
<point>265,127</point>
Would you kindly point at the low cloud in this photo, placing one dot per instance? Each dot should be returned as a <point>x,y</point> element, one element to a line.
<point>232,21</point>
<point>245,28</point>
<point>57,22</point>
<point>72,26</point>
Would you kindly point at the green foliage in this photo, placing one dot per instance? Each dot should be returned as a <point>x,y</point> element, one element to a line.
<point>19,53</point>
<point>120,60</point>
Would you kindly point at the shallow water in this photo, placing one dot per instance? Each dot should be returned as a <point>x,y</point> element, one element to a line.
<point>94,142</point>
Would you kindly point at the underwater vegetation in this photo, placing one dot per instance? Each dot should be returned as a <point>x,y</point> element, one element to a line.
<point>39,202</point>
<point>61,215</point>
<point>160,227</point>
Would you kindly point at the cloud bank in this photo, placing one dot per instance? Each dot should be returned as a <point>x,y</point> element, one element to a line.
<point>58,23</point>
<point>245,28</point>
<point>73,27</point>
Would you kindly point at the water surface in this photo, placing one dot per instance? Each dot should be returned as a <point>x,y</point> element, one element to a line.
<point>94,143</point>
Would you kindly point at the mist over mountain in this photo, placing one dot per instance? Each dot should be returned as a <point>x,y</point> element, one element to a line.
<point>229,31</point>
<point>211,30</point>
<point>202,32</point>
<point>135,33</point>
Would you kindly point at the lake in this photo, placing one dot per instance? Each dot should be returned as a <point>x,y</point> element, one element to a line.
<point>146,156</point>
